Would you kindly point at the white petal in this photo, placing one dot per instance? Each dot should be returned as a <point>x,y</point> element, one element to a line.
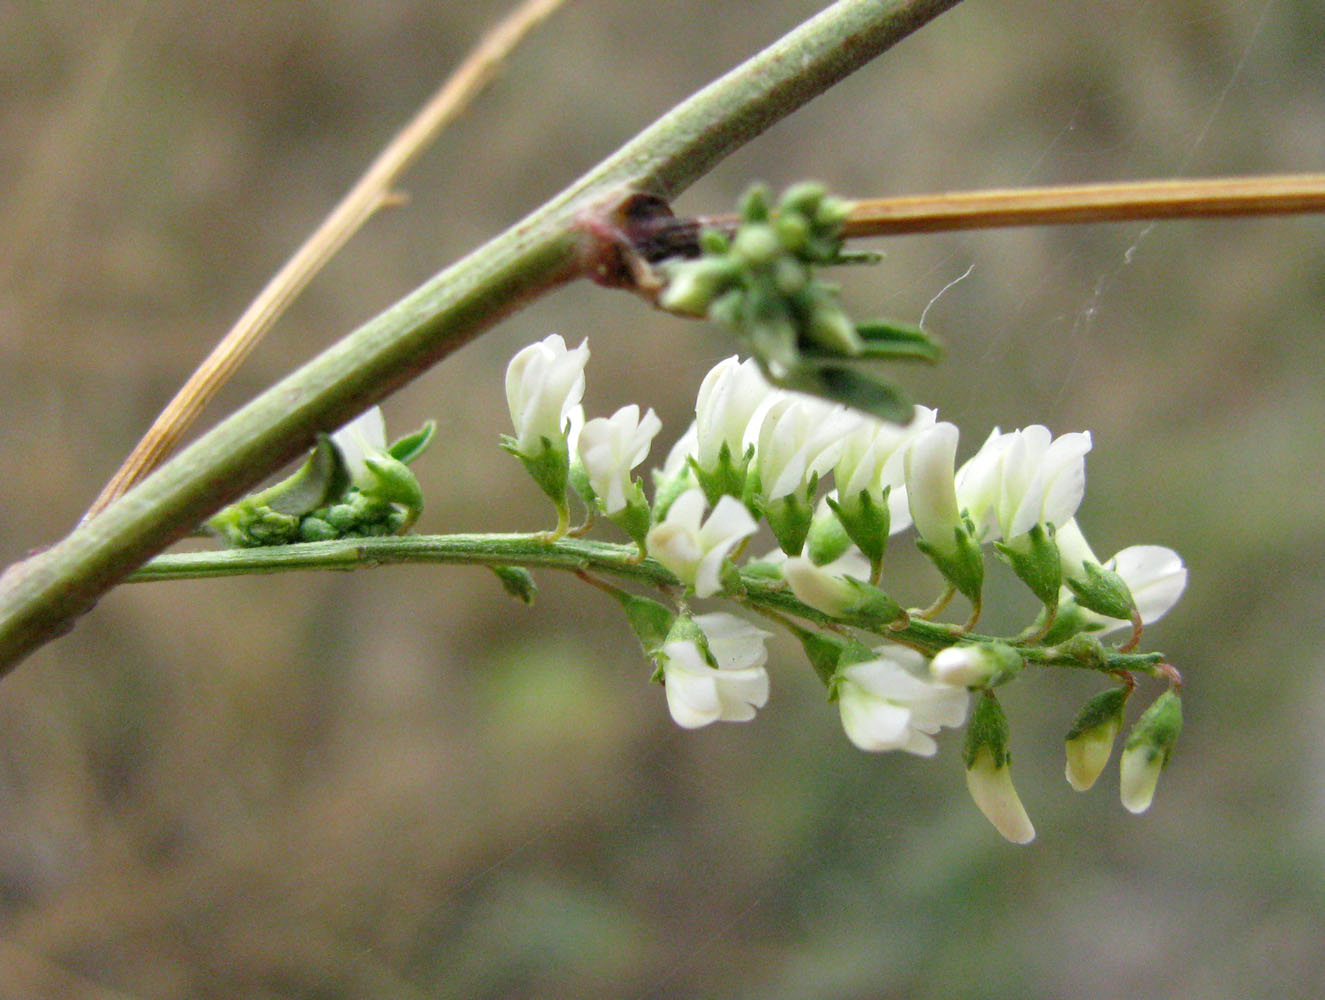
<point>930,485</point>
<point>993,792</point>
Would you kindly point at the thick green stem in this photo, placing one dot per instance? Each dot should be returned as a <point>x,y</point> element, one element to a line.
<point>42,597</point>
<point>534,551</point>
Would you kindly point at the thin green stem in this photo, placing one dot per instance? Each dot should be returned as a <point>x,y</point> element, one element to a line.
<point>42,597</point>
<point>581,557</point>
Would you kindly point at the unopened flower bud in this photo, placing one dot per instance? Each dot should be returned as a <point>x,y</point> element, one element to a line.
<point>989,772</point>
<point>1147,751</point>
<point>1090,740</point>
<point>973,665</point>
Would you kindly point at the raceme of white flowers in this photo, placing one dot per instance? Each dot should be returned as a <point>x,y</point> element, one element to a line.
<point>832,485</point>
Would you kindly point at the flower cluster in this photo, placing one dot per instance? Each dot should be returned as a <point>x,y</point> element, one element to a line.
<point>353,485</point>
<point>758,454</point>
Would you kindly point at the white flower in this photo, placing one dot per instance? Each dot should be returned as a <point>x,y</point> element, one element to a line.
<point>1021,479</point>
<point>610,447</point>
<point>693,551</point>
<point>728,397</point>
<point>1154,574</point>
<point>544,383</point>
<point>699,693</point>
<point>931,490</point>
<point>362,438</point>
<point>885,706</point>
<point>872,458</point>
<point>798,437</point>
<point>825,587</point>
<point>676,463</point>
<point>991,787</point>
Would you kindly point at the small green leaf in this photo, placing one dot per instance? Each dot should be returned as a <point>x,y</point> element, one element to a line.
<point>411,446</point>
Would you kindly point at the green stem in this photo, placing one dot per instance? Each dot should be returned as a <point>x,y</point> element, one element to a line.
<point>576,555</point>
<point>41,598</point>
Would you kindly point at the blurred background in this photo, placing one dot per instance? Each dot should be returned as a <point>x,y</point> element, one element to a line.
<point>403,784</point>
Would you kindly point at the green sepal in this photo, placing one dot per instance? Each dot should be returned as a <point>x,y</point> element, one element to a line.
<point>965,568</point>
<point>765,570</point>
<point>823,652</point>
<point>635,517</point>
<point>866,522</point>
<point>889,340</point>
<point>1105,708</point>
<point>727,478</point>
<point>827,539</point>
<point>850,651</point>
<point>872,607</point>
<point>1104,592</point>
<point>651,621</point>
<point>1159,726</point>
<point>517,581</point>
<point>1034,558</point>
<point>987,730</point>
<point>550,468</point>
<point>411,446</point>
<point>395,484</point>
<point>665,491</point>
<point>789,519</point>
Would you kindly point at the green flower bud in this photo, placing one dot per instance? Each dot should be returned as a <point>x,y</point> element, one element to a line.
<point>1089,742</point>
<point>989,771</point>
<point>1147,751</point>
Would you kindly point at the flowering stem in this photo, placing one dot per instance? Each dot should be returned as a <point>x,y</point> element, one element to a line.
<point>588,560</point>
<point>40,598</point>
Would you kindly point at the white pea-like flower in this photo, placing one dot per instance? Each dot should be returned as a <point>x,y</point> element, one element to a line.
<point>1023,478</point>
<point>825,588</point>
<point>885,706</point>
<point>872,459</point>
<point>1154,574</point>
<point>611,447</point>
<point>798,437</point>
<point>728,398</point>
<point>362,438</point>
<point>930,468</point>
<point>695,549</point>
<point>698,692</point>
<point>544,383</point>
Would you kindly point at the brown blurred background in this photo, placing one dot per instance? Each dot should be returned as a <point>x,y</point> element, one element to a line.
<point>402,784</point>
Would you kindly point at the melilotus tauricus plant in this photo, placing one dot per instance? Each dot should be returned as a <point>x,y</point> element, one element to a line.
<point>807,441</point>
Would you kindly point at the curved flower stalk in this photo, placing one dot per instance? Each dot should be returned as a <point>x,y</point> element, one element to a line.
<point>885,706</point>
<point>696,549</point>
<point>713,670</point>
